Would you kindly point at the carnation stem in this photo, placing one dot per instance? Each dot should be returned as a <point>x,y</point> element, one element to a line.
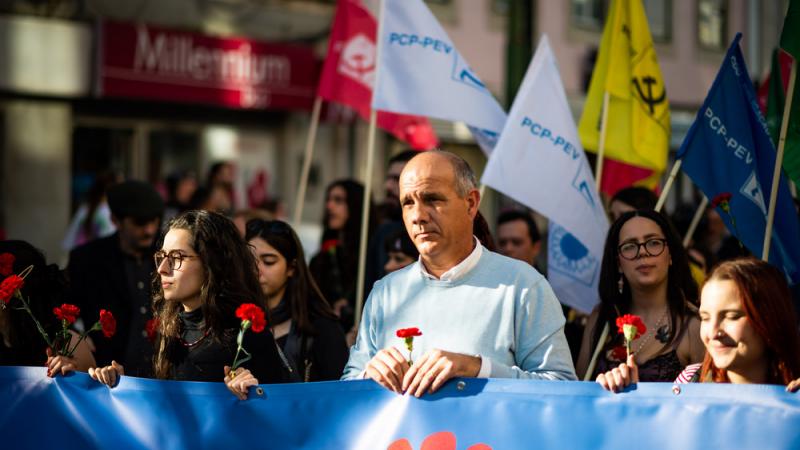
<point>38,325</point>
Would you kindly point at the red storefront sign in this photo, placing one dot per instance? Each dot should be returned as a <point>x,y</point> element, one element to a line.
<point>140,61</point>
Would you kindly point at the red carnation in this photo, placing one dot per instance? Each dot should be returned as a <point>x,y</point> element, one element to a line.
<point>6,264</point>
<point>408,332</point>
<point>67,312</point>
<point>254,314</point>
<point>631,327</point>
<point>108,323</point>
<point>151,328</point>
<point>9,287</point>
<point>722,200</point>
<point>329,245</point>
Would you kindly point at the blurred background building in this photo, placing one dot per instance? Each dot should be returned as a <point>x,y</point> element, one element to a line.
<point>146,88</point>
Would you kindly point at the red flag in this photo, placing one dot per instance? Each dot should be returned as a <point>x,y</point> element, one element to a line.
<point>618,175</point>
<point>349,75</point>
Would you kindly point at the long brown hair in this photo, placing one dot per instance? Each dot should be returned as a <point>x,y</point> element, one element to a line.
<point>767,304</point>
<point>230,279</point>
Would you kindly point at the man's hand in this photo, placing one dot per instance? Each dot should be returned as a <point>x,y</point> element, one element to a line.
<point>388,367</point>
<point>437,366</point>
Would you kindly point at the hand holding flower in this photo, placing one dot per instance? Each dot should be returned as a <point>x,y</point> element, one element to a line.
<point>620,377</point>
<point>239,382</point>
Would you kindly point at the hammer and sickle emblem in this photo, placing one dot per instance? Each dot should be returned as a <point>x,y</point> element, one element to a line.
<point>650,99</point>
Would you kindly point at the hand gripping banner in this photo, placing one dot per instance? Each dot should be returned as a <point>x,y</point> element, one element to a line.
<point>75,412</point>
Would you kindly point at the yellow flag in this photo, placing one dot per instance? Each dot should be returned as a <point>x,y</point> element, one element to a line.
<point>638,128</point>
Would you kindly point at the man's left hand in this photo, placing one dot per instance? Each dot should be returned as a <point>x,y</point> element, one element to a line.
<point>437,366</point>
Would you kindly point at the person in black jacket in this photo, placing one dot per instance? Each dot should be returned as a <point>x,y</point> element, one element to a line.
<point>205,272</point>
<point>302,321</point>
<point>115,272</point>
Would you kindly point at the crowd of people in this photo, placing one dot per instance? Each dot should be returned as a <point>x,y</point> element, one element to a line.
<point>176,274</point>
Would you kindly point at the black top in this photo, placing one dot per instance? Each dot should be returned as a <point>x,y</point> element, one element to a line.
<point>320,357</point>
<point>202,357</point>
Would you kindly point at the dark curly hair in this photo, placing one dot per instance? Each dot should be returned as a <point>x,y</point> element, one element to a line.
<point>230,279</point>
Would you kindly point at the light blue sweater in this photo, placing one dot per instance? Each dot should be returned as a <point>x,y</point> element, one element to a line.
<point>502,309</point>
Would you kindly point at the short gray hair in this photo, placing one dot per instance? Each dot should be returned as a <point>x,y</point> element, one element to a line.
<point>464,176</point>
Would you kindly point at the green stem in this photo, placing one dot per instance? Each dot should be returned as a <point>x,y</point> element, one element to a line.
<point>38,325</point>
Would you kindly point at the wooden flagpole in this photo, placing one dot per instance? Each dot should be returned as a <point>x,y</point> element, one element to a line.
<point>776,174</point>
<point>373,119</point>
<point>307,157</point>
<point>676,167</point>
<point>695,221</point>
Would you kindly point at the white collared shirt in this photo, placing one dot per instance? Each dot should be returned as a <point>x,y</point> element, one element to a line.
<point>460,269</point>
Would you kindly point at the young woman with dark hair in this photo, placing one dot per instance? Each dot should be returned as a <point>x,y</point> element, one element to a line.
<point>303,323</point>
<point>335,267</point>
<point>204,272</point>
<point>644,272</point>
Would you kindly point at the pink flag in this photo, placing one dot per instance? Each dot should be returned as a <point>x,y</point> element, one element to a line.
<point>349,75</point>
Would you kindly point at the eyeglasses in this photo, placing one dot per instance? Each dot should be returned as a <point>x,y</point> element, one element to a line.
<point>174,258</point>
<point>653,247</point>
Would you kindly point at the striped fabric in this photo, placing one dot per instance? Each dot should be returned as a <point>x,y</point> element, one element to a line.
<point>688,373</point>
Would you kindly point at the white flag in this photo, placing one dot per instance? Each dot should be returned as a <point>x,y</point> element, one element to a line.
<point>422,73</point>
<point>539,162</point>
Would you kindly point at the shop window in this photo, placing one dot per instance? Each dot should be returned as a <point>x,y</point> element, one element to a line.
<point>172,152</point>
<point>712,18</point>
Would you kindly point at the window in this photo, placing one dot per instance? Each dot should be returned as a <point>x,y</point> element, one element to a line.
<point>659,19</point>
<point>589,14</point>
<point>712,17</point>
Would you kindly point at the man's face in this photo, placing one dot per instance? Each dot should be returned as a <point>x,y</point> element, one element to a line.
<point>137,235</point>
<point>514,241</point>
<point>392,184</point>
<point>438,221</point>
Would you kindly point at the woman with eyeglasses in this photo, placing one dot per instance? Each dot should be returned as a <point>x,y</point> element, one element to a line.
<point>644,272</point>
<point>204,272</point>
<point>305,328</point>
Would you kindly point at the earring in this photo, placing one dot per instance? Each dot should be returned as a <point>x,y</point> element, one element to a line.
<point>620,283</point>
<point>718,334</point>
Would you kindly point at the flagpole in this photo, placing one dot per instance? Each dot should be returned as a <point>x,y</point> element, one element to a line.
<point>589,370</point>
<point>676,167</point>
<point>695,221</point>
<point>373,119</point>
<point>776,174</point>
<point>601,146</point>
<point>307,156</point>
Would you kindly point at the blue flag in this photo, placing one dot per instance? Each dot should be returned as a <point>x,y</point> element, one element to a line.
<point>728,153</point>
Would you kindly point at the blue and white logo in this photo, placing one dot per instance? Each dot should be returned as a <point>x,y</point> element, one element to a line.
<point>462,73</point>
<point>570,257</point>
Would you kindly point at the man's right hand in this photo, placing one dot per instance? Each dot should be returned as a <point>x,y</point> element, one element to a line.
<point>388,367</point>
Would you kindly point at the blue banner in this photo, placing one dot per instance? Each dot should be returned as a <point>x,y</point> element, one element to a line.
<point>728,151</point>
<point>75,412</point>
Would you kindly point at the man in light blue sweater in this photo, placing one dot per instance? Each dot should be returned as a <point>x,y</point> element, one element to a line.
<point>481,314</point>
